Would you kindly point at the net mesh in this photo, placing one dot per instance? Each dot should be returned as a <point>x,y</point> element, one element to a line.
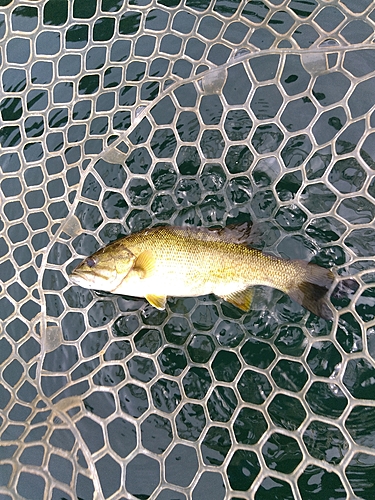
<point>116,116</point>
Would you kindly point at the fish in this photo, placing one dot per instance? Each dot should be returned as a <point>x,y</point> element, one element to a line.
<point>171,261</point>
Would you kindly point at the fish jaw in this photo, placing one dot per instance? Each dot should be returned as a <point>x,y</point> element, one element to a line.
<point>82,279</point>
<point>92,281</point>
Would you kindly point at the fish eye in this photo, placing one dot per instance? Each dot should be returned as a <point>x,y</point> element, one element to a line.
<point>91,262</point>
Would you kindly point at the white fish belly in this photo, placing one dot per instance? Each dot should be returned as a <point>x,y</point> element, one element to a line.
<point>174,279</point>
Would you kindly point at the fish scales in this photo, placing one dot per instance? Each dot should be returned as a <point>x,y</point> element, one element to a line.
<point>207,258</point>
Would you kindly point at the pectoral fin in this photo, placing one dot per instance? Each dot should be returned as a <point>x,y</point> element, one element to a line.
<point>156,301</point>
<point>241,299</point>
<point>145,264</point>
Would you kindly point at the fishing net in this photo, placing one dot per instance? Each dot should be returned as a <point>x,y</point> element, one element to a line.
<point>119,115</point>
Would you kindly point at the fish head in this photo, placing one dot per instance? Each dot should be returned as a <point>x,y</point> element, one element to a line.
<point>105,269</point>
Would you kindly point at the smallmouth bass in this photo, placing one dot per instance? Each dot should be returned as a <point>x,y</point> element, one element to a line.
<point>187,262</point>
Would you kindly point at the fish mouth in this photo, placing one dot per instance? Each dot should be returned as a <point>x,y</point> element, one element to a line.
<point>91,280</point>
<point>80,279</point>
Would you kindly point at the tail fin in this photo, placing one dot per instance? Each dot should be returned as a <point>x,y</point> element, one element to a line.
<point>311,291</point>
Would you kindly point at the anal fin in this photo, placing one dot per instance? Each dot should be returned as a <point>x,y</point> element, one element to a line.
<point>157,301</point>
<point>241,299</point>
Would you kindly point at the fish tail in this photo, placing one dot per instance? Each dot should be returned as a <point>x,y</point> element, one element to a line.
<point>311,291</point>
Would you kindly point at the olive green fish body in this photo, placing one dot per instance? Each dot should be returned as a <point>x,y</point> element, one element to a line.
<point>190,263</point>
<point>182,262</point>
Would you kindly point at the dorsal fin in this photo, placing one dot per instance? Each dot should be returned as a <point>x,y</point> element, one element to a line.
<point>236,233</point>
